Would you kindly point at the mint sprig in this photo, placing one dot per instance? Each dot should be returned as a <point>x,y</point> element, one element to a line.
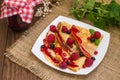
<point>100,13</point>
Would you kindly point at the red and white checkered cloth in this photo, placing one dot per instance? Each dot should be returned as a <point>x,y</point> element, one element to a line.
<point>22,7</point>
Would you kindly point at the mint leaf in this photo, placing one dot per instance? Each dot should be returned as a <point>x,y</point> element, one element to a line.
<point>97,42</point>
<point>91,17</point>
<point>76,4</point>
<point>89,4</point>
<point>91,31</point>
<point>101,23</point>
<point>114,9</point>
<point>99,13</point>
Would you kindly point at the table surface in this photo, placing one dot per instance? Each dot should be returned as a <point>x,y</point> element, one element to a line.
<point>8,69</point>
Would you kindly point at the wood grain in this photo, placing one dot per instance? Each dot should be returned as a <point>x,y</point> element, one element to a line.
<point>8,69</point>
<point>12,71</point>
<point>3,34</point>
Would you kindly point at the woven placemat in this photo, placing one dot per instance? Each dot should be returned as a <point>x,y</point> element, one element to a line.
<point>20,52</point>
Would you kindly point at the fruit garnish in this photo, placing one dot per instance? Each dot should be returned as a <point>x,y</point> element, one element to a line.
<point>68,32</point>
<point>97,42</point>
<point>63,45</point>
<point>74,29</point>
<point>42,46</point>
<point>79,41</point>
<point>92,39</point>
<point>91,31</point>
<point>93,58</point>
<point>68,62</point>
<point>58,50</point>
<point>64,55</point>
<point>88,62</point>
<point>81,54</point>
<point>84,66</point>
<point>70,41</point>
<point>96,52</point>
<point>75,56</point>
<point>97,35</point>
<point>52,46</point>
<point>64,29</point>
<point>63,65</point>
<point>53,28</point>
<point>50,38</point>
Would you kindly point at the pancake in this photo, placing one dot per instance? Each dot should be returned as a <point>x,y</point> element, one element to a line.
<point>66,43</point>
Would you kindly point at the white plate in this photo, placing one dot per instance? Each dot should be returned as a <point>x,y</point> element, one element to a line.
<point>102,48</point>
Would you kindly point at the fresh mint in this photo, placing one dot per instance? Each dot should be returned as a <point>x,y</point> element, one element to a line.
<point>100,13</point>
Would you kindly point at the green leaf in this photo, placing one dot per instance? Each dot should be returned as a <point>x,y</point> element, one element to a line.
<point>100,13</point>
<point>77,14</point>
<point>91,31</point>
<point>101,23</point>
<point>76,3</point>
<point>97,42</point>
<point>91,17</point>
<point>89,4</point>
<point>114,9</point>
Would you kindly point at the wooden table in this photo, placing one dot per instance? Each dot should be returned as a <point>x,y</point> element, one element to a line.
<point>8,69</point>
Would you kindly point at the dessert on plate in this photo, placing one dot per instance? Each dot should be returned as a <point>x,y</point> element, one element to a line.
<point>71,46</point>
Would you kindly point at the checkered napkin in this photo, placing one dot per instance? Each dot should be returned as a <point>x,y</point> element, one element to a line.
<point>24,8</point>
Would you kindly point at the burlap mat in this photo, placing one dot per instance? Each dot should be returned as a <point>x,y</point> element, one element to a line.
<point>20,53</point>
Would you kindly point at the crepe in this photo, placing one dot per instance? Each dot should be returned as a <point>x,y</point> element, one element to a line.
<point>63,51</point>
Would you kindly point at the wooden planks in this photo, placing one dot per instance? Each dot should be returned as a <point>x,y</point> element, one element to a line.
<point>3,35</point>
<point>11,71</point>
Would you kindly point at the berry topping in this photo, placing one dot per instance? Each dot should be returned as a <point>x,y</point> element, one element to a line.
<point>68,32</point>
<point>64,29</point>
<point>88,38</point>
<point>58,50</point>
<point>74,29</point>
<point>42,46</point>
<point>75,56</point>
<point>68,62</point>
<point>64,54</point>
<point>88,62</point>
<point>63,65</point>
<point>97,35</point>
<point>96,52</point>
<point>81,54</point>
<point>70,41</point>
<point>50,38</point>
<point>92,39</point>
<point>93,58</point>
<point>52,46</point>
<point>84,66</point>
<point>53,28</point>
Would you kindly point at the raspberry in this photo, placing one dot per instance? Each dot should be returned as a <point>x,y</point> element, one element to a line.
<point>64,29</point>
<point>97,35</point>
<point>75,56</point>
<point>50,38</point>
<point>88,62</point>
<point>63,65</point>
<point>70,41</point>
<point>53,28</point>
